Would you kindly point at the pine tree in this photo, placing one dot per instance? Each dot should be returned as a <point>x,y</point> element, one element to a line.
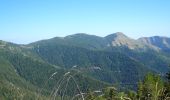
<point>152,88</point>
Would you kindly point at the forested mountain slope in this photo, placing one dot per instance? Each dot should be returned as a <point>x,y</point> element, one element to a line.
<point>83,60</point>
<point>25,72</point>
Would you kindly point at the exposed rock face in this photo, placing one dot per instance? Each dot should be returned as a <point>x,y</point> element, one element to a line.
<point>119,39</point>
<point>162,43</point>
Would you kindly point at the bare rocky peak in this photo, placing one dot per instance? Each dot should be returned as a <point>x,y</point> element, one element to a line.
<point>157,41</point>
<point>120,39</point>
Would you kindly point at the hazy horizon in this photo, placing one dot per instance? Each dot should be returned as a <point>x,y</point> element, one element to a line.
<point>27,42</point>
<point>32,20</point>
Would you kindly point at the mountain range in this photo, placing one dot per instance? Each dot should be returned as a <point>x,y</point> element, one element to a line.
<point>113,40</point>
<point>96,61</point>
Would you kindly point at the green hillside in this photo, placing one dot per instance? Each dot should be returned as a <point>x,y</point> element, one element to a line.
<point>61,68</point>
<point>112,66</point>
<point>31,75</point>
<point>12,85</point>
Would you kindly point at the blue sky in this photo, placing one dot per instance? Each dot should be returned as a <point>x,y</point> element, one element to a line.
<point>25,21</point>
